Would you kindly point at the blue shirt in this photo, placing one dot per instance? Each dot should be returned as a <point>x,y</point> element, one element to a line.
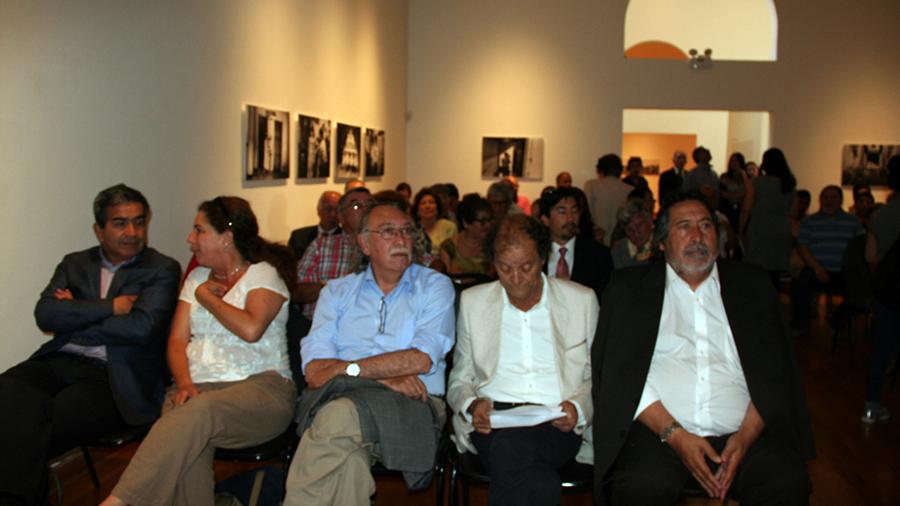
<point>827,237</point>
<point>354,319</point>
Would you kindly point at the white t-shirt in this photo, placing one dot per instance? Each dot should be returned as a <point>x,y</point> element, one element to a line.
<point>214,352</point>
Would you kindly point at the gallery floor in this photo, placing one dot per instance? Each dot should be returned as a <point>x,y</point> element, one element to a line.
<point>856,464</point>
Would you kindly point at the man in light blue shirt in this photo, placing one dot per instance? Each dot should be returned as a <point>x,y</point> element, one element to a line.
<point>392,323</point>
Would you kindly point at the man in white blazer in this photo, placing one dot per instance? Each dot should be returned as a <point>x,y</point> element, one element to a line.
<point>523,340</point>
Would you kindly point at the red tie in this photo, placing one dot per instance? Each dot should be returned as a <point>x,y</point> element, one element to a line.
<point>562,267</point>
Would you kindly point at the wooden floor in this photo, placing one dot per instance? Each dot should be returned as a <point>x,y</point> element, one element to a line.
<point>856,464</point>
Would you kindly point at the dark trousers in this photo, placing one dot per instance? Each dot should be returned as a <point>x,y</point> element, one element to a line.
<point>522,463</point>
<point>648,471</point>
<point>802,290</point>
<point>49,405</point>
<point>885,335</point>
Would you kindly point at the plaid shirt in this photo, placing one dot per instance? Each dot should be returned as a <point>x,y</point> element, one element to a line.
<point>328,257</point>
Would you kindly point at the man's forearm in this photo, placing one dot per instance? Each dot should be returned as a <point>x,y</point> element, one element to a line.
<point>656,417</point>
<point>393,364</point>
<point>752,425</point>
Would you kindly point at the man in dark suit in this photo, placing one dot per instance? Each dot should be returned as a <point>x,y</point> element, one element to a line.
<point>327,209</point>
<point>108,308</point>
<point>694,377</point>
<point>670,181</point>
<point>575,257</point>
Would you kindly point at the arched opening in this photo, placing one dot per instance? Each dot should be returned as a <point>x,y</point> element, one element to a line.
<point>740,30</point>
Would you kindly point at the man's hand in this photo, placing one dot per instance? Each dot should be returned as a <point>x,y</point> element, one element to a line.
<point>566,423</point>
<point>693,451</point>
<point>409,385</point>
<point>821,274</point>
<point>63,294</point>
<point>481,415</point>
<point>735,449</point>
<point>122,304</point>
<point>185,393</point>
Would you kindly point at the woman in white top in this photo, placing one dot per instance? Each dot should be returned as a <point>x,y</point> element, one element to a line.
<point>227,352</point>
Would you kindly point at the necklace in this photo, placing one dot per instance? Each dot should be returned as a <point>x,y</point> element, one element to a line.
<point>229,274</point>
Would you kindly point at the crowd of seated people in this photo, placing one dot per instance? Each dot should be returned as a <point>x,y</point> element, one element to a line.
<point>652,340</point>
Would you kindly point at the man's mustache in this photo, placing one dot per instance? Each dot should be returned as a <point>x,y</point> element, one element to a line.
<point>697,250</point>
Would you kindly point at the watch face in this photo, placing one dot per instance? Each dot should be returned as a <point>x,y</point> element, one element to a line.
<point>353,369</point>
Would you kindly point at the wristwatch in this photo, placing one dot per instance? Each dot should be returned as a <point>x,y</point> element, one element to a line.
<point>352,369</point>
<point>667,432</point>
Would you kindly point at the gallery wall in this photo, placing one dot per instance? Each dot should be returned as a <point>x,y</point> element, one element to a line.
<point>150,93</point>
<point>556,70</point>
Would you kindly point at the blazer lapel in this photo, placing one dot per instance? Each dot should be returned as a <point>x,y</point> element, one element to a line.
<point>489,322</point>
<point>93,273</point>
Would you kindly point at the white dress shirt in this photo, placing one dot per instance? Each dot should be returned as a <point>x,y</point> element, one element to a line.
<point>696,372</point>
<point>554,257</point>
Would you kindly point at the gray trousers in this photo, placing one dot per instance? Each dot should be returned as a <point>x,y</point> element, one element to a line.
<point>173,466</point>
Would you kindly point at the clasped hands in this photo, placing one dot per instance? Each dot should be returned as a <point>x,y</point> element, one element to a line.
<point>481,408</point>
<point>694,452</point>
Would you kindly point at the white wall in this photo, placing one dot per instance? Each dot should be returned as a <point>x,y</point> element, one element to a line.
<point>529,67</point>
<point>710,127</point>
<point>748,133</point>
<point>98,92</point>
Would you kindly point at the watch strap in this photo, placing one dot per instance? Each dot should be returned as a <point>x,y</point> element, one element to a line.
<point>667,432</point>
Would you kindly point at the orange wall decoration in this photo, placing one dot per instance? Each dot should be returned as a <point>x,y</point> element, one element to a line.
<point>656,49</point>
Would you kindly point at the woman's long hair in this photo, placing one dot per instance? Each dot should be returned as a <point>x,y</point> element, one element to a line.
<point>234,213</point>
<point>775,164</point>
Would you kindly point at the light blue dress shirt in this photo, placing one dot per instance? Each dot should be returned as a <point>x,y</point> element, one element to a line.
<point>354,319</point>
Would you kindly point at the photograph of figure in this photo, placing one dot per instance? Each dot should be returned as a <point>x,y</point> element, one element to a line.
<point>866,163</point>
<point>374,153</point>
<point>512,156</point>
<point>347,154</point>
<point>313,148</point>
<point>268,148</point>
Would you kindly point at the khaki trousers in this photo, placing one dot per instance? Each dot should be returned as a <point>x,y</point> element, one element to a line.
<point>331,466</point>
<point>173,466</point>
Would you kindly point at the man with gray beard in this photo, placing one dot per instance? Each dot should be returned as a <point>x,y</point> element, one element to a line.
<point>694,377</point>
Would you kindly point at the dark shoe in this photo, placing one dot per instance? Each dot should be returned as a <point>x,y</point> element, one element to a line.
<point>875,415</point>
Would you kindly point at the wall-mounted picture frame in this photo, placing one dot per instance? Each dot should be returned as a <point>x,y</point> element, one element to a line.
<point>313,147</point>
<point>374,148</point>
<point>522,157</point>
<point>348,152</point>
<point>268,144</point>
<point>866,163</point>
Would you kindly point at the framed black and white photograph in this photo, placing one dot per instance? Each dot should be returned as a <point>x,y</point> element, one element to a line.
<point>517,156</point>
<point>268,144</point>
<point>374,153</point>
<point>866,163</point>
<point>347,152</point>
<point>313,148</point>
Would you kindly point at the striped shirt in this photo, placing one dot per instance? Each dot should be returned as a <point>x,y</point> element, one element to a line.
<point>827,237</point>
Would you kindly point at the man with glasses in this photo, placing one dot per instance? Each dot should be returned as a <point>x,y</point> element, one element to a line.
<point>332,256</point>
<point>374,362</point>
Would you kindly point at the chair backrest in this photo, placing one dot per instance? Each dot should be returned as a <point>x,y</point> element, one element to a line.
<point>297,328</point>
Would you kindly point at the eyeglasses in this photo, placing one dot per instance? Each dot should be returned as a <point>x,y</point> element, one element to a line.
<point>390,233</point>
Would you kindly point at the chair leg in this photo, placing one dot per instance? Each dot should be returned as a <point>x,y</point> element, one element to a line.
<point>453,496</point>
<point>89,462</point>
<point>439,486</point>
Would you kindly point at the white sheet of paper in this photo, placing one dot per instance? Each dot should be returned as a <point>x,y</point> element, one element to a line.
<point>525,416</point>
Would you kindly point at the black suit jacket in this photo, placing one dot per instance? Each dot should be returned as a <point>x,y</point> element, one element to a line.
<point>135,342</point>
<point>626,337</point>
<point>302,238</point>
<point>593,265</point>
<point>669,182</point>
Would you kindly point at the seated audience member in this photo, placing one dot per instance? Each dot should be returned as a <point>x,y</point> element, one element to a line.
<point>564,180</point>
<point>228,356</point>
<point>375,383</point>
<point>634,248</point>
<point>524,339</point>
<point>694,376</point>
<point>671,180</point>
<point>426,211</point>
<point>448,194</point>
<point>502,198</point>
<point>605,195</point>
<point>108,308</point>
<point>464,252</point>
<point>521,201</point>
<point>821,242</point>
<point>634,178</point>
<point>882,251</point>
<point>353,184</point>
<point>332,256</point>
<point>702,177</point>
<point>406,190</point>
<point>329,224</point>
<point>575,257</point>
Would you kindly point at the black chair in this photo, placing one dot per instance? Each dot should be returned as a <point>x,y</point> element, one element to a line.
<point>466,468</point>
<point>115,439</point>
